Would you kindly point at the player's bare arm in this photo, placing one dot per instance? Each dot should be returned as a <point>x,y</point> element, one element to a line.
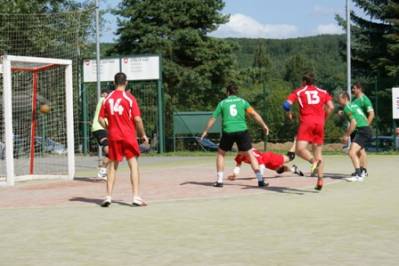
<point>329,108</point>
<point>349,130</point>
<point>103,122</point>
<point>140,129</point>
<point>210,124</point>
<point>370,117</point>
<point>258,119</point>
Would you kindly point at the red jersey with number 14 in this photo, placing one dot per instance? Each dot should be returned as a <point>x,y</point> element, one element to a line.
<point>120,108</point>
<point>311,102</point>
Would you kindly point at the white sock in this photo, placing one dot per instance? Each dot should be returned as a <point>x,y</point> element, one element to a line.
<point>220,177</point>
<point>108,198</point>
<point>259,176</point>
<point>262,169</point>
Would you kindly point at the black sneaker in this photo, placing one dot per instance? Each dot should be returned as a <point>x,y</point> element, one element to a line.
<point>217,184</point>
<point>297,171</point>
<point>106,203</point>
<point>263,183</point>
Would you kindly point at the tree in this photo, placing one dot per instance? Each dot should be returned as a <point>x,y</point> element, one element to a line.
<point>375,45</point>
<point>295,68</point>
<point>195,65</point>
<point>375,53</point>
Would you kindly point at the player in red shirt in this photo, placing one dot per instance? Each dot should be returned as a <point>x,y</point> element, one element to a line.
<point>269,160</point>
<point>123,118</point>
<point>314,107</point>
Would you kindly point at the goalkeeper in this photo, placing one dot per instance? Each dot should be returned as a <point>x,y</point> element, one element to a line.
<point>270,160</point>
<point>101,135</point>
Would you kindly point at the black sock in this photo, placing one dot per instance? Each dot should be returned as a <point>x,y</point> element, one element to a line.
<point>358,171</point>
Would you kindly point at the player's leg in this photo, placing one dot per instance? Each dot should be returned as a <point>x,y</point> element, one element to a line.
<point>318,156</point>
<point>102,140</point>
<point>244,144</point>
<point>363,161</point>
<point>355,152</point>
<point>115,155</point>
<point>353,155</point>
<point>112,167</point>
<point>135,181</point>
<point>226,143</point>
<point>219,167</point>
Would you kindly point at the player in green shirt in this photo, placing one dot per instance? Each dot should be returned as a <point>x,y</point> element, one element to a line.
<point>234,111</point>
<point>357,120</point>
<point>361,100</point>
<point>101,136</point>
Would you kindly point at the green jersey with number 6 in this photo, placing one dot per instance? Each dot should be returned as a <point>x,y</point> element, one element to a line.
<point>353,111</point>
<point>233,110</point>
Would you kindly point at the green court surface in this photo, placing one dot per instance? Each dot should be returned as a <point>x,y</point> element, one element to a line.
<point>345,224</point>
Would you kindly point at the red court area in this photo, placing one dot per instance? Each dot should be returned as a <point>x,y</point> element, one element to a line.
<point>162,180</point>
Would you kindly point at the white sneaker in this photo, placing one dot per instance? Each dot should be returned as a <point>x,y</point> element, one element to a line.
<point>102,173</point>
<point>138,202</point>
<point>355,178</point>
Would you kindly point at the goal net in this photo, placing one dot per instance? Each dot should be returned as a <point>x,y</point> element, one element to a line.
<point>36,119</point>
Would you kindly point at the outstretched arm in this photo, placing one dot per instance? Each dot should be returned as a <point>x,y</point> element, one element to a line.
<point>210,124</point>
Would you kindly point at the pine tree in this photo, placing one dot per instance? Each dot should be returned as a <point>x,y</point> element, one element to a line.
<point>194,64</point>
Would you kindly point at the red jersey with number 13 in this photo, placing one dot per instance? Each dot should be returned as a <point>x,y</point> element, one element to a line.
<point>311,102</point>
<point>120,108</point>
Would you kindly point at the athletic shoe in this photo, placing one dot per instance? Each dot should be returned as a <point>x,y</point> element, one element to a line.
<point>319,184</point>
<point>106,203</point>
<point>263,183</point>
<point>138,202</point>
<point>296,170</point>
<point>217,184</point>
<point>355,178</point>
<point>102,173</point>
<point>314,168</point>
<point>364,173</point>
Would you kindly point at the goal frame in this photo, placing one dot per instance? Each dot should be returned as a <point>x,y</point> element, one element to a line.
<point>7,70</point>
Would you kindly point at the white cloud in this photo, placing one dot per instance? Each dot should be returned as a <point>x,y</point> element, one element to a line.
<point>329,29</point>
<point>247,27</point>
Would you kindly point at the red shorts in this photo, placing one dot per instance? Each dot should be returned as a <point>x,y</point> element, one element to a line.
<point>272,160</point>
<point>312,132</point>
<point>120,148</point>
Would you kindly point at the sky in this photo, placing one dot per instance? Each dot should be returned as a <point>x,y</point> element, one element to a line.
<point>276,19</point>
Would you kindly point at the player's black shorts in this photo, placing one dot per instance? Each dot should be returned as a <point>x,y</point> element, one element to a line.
<point>363,135</point>
<point>101,137</point>
<point>242,138</point>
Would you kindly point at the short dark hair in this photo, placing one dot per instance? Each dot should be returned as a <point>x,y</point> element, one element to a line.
<point>358,85</point>
<point>308,78</point>
<point>232,89</point>
<point>120,78</point>
<point>344,94</point>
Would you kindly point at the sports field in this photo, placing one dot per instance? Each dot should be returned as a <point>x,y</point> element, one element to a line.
<point>188,222</point>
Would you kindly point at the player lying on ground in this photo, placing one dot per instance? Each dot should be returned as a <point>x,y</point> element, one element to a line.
<point>269,160</point>
<point>357,121</point>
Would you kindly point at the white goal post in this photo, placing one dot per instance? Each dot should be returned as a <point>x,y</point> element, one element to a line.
<point>57,73</point>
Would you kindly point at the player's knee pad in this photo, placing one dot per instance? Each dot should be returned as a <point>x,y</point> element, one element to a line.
<point>291,155</point>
